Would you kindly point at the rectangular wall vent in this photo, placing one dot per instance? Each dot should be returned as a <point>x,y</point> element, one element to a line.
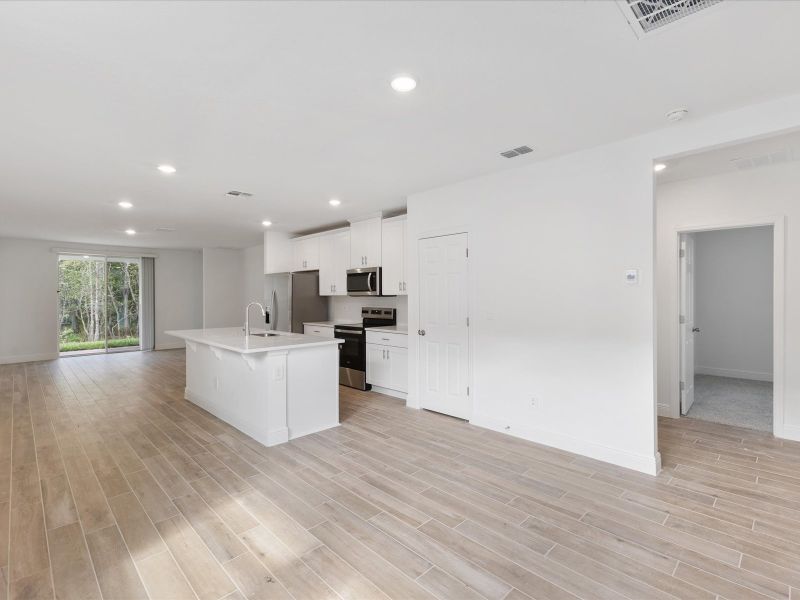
<point>238,193</point>
<point>516,151</point>
<point>646,16</point>
<point>763,160</point>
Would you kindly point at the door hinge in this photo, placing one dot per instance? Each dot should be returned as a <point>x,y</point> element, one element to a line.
<point>467,321</point>
<point>467,252</point>
<point>682,319</point>
<point>467,390</point>
<point>683,385</point>
<point>682,253</point>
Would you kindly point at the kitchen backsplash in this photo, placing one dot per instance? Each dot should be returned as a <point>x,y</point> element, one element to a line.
<point>347,307</point>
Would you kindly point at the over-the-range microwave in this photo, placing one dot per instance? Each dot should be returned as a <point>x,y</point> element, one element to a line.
<point>365,281</point>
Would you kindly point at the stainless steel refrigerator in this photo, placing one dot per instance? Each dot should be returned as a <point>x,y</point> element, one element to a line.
<point>293,299</point>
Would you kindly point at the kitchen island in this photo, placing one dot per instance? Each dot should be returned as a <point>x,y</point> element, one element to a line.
<point>273,386</point>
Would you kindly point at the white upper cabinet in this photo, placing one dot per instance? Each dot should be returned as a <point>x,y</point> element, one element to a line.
<point>277,252</point>
<point>394,257</point>
<point>365,243</point>
<point>334,260</point>
<point>305,253</point>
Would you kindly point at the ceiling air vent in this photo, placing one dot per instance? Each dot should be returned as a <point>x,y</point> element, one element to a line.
<point>646,16</point>
<point>516,151</point>
<point>238,193</point>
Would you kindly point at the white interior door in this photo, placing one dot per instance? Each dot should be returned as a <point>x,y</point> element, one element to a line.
<point>444,339</point>
<point>687,322</point>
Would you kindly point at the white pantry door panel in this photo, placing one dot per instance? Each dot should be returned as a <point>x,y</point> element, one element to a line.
<point>687,323</point>
<point>444,347</point>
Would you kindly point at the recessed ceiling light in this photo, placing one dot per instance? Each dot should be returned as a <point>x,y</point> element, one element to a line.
<point>266,223</point>
<point>659,167</point>
<point>403,83</point>
<point>168,169</point>
<point>334,202</point>
<point>130,231</point>
<point>125,204</point>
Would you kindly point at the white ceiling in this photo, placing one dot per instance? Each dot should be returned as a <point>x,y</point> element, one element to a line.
<point>752,154</point>
<point>291,102</point>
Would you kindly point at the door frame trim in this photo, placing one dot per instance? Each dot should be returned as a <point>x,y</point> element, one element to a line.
<point>470,328</point>
<point>778,224</point>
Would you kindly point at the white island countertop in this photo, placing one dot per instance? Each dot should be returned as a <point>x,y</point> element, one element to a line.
<point>233,339</point>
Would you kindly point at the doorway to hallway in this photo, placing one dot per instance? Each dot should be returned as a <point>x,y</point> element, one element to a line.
<point>726,326</point>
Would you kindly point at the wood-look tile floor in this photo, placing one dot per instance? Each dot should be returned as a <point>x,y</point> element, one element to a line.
<point>113,486</point>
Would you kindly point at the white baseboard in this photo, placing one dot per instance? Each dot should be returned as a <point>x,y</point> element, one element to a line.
<point>648,464</point>
<point>23,358</point>
<point>790,432</point>
<point>737,374</point>
<point>387,392</point>
<point>171,346</point>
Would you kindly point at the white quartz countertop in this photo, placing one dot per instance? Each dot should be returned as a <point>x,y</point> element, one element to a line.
<point>233,339</point>
<point>391,329</point>
<point>332,323</point>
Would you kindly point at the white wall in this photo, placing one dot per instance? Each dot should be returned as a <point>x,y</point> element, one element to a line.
<point>29,303</point>
<point>733,303</point>
<point>178,294</point>
<point>551,314</point>
<point>734,198</point>
<point>223,287</point>
<point>253,274</point>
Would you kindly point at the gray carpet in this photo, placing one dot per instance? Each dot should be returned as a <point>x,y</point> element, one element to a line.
<point>739,402</point>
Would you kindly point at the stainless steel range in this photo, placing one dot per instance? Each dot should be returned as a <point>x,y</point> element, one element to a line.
<point>353,352</point>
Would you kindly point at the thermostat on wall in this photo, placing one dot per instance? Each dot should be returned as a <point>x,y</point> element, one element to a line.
<point>632,276</point>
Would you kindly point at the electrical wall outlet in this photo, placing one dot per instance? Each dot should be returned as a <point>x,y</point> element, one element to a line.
<point>534,402</point>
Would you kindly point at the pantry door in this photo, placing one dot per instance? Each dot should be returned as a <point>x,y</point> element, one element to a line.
<point>444,325</point>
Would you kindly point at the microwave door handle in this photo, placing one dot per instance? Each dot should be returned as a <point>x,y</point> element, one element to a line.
<point>369,282</point>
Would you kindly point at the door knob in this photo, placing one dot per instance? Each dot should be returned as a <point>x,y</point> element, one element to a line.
<point>695,330</point>
<point>420,332</point>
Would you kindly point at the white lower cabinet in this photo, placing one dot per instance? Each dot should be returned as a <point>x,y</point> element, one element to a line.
<point>387,367</point>
<point>321,330</point>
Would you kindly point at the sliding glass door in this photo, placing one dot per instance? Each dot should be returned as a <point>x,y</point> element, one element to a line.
<point>122,303</point>
<point>98,306</point>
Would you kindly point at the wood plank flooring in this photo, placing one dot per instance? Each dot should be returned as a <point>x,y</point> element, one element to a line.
<point>113,486</point>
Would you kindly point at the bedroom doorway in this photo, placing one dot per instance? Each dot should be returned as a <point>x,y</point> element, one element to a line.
<point>726,326</point>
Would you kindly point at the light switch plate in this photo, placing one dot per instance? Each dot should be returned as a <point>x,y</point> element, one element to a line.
<point>632,276</point>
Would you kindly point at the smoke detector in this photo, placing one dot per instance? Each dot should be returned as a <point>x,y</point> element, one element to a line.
<point>238,193</point>
<point>648,16</point>
<point>677,114</point>
<point>516,151</point>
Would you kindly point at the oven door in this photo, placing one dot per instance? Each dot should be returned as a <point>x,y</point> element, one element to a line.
<point>364,282</point>
<point>352,357</point>
<point>353,351</point>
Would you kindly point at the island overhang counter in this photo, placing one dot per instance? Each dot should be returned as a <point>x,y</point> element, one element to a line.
<point>273,386</point>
